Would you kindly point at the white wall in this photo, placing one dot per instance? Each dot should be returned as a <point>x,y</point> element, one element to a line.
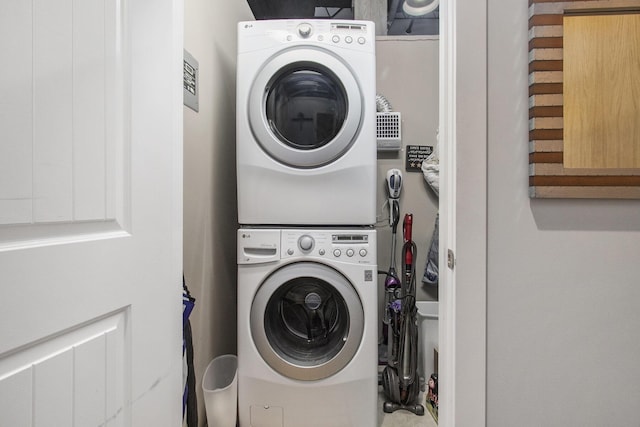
<point>210,213</point>
<point>563,276</point>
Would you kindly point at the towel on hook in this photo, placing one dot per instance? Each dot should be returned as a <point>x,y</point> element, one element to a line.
<point>431,172</point>
<point>431,169</point>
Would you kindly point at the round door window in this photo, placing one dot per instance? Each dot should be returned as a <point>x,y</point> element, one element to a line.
<point>305,107</point>
<point>307,321</point>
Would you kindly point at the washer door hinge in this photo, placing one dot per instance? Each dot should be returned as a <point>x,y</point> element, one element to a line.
<point>451,259</point>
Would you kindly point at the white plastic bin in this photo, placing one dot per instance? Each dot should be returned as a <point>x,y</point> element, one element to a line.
<point>220,390</point>
<point>428,336</point>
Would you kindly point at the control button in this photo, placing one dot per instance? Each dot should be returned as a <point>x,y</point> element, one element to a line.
<point>348,39</point>
<point>361,40</point>
<point>290,251</point>
<point>321,252</point>
<point>337,252</point>
<point>350,252</point>
<point>304,30</point>
<point>289,37</point>
<point>306,243</point>
<point>335,39</point>
<point>363,252</point>
<point>320,38</point>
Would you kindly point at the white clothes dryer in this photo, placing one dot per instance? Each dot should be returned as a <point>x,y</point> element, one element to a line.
<point>307,327</point>
<point>306,122</point>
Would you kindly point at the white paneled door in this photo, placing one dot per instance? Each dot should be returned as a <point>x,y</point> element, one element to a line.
<point>90,213</point>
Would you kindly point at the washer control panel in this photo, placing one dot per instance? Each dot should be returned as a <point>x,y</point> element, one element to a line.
<point>345,245</point>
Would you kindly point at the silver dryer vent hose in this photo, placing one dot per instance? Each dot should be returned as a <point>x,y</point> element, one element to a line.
<point>382,104</point>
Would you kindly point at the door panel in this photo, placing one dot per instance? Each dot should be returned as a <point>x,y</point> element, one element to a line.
<point>62,138</point>
<point>76,375</point>
<point>90,307</point>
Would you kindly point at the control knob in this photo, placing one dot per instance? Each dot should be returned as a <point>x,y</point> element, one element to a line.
<point>304,30</point>
<point>306,243</point>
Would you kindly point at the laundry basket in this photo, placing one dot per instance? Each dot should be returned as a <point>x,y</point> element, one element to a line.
<point>220,390</point>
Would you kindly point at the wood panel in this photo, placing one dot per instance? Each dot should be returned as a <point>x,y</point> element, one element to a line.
<point>550,175</point>
<point>601,66</point>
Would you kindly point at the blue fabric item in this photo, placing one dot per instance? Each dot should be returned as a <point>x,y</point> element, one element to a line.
<point>188,302</point>
<point>189,402</point>
<point>430,276</point>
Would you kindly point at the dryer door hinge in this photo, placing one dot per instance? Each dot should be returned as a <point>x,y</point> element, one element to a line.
<point>451,259</point>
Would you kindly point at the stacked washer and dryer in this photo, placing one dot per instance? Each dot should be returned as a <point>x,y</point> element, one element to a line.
<point>307,269</point>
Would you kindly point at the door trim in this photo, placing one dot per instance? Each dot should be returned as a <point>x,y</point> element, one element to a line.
<point>463,205</point>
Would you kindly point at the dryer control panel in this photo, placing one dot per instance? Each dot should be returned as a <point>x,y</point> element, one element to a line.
<point>347,34</point>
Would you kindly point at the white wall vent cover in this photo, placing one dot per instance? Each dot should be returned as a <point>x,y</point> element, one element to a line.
<point>388,132</point>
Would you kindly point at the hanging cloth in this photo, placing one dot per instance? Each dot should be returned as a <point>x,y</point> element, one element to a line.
<point>431,172</point>
<point>430,276</point>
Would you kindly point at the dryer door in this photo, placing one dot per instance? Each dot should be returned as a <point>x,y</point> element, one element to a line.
<point>305,107</point>
<point>307,321</point>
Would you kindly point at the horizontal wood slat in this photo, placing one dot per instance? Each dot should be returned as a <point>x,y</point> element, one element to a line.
<point>546,100</point>
<point>555,169</point>
<point>549,111</point>
<point>545,88</point>
<point>545,43</point>
<point>545,66</point>
<point>558,192</point>
<point>543,20</point>
<point>597,181</point>
<point>556,1</point>
<point>545,146</point>
<point>545,134</point>
<point>545,157</point>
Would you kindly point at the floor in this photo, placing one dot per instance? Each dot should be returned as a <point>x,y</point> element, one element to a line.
<point>402,418</point>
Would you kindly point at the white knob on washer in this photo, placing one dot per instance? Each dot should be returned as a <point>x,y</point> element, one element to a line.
<point>304,30</point>
<point>306,243</point>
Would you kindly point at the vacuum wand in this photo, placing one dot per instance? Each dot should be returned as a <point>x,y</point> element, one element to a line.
<point>407,229</point>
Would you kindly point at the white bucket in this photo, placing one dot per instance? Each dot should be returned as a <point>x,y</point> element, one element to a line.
<point>427,336</point>
<point>220,390</point>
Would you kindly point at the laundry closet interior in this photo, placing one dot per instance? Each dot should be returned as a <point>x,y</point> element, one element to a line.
<point>406,77</point>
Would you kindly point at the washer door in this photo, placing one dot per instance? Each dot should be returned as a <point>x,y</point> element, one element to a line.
<point>305,107</point>
<point>307,321</point>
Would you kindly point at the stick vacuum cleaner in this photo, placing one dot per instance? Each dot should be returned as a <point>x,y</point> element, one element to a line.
<point>400,379</point>
<point>392,281</point>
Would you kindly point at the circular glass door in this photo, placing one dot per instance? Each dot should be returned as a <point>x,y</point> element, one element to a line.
<point>305,108</point>
<point>307,321</point>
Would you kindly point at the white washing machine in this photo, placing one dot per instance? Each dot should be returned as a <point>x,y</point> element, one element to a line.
<point>306,122</point>
<point>307,327</point>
